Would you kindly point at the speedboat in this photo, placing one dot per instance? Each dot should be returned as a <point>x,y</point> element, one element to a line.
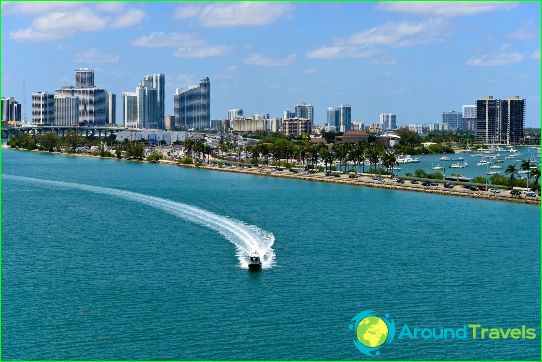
<point>437,167</point>
<point>444,158</point>
<point>255,264</point>
<point>495,166</point>
<point>457,165</point>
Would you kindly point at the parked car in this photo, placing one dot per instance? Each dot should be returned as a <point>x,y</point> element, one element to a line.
<point>448,185</point>
<point>474,188</point>
<point>530,193</point>
<point>399,181</point>
<point>329,174</point>
<point>433,184</point>
<point>515,192</point>
<point>494,190</point>
<point>414,182</point>
<point>352,175</point>
<point>426,183</point>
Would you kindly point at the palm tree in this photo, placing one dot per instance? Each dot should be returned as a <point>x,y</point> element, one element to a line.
<point>536,174</point>
<point>512,170</point>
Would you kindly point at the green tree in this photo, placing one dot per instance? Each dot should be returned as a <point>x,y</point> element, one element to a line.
<point>49,141</point>
<point>154,157</point>
<point>511,170</point>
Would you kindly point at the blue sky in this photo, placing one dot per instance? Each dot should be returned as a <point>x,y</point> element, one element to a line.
<point>414,59</point>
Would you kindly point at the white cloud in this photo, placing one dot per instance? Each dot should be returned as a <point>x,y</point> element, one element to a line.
<point>25,8</point>
<point>94,55</point>
<point>536,54</point>
<point>369,43</point>
<point>29,34</point>
<point>189,45</point>
<point>342,51</point>
<point>235,14</point>
<point>526,31</point>
<point>60,20</point>
<point>69,22</point>
<point>257,59</point>
<point>447,9</point>
<point>160,39</point>
<point>129,18</point>
<point>504,56</point>
<point>202,52</point>
<point>400,34</point>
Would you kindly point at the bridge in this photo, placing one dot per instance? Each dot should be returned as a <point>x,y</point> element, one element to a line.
<point>96,131</point>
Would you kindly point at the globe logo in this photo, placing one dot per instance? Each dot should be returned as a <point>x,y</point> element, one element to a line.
<point>371,332</point>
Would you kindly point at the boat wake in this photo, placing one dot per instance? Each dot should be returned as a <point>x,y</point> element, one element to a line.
<point>246,238</point>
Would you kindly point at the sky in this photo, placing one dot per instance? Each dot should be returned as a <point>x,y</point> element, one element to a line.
<point>414,59</point>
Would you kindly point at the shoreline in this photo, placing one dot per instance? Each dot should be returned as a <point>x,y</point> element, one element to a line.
<point>362,180</point>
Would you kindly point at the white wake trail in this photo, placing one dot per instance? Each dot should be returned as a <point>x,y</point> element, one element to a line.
<point>246,238</point>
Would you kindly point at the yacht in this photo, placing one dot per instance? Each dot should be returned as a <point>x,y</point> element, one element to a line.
<point>444,158</point>
<point>495,166</point>
<point>437,167</point>
<point>255,264</point>
<point>458,165</point>
<point>407,159</point>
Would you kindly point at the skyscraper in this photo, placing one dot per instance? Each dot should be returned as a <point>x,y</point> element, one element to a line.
<point>454,120</point>
<point>235,113</point>
<point>500,121</point>
<point>84,78</point>
<point>43,108</point>
<point>11,111</point>
<point>192,106</point>
<point>333,118</point>
<point>66,110</point>
<point>287,114</point>
<point>130,110</point>
<point>305,111</point>
<point>158,82</point>
<point>388,121</point>
<point>345,117</point>
<point>92,100</point>
<point>111,115</point>
<point>469,117</point>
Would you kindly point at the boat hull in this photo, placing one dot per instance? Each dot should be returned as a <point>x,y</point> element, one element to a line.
<point>255,267</point>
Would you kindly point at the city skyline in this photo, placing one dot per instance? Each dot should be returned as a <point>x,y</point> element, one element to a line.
<point>415,61</point>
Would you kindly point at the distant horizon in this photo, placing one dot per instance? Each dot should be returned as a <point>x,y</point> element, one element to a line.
<point>415,60</point>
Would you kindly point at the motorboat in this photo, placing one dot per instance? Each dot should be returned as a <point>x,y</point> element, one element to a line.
<point>458,165</point>
<point>255,263</point>
<point>482,162</point>
<point>495,166</point>
<point>444,158</point>
<point>437,167</point>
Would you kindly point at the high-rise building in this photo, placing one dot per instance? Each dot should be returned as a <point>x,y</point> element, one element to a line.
<point>169,122</point>
<point>158,82</point>
<point>84,78</point>
<point>332,119</point>
<point>469,117</point>
<point>305,111</point>
<point>111,115</point>
<point>92,100</point>
<point>11,111</point>
<point>500,121</point>
<point>235,113</point>
<point>66,110</point>
<point>192,106</point>
<point>130,110</point>
<point>345,117</point>
<point>43,108</point>
<point>92,103</point>
<point>388,121</point>
<point>454,120</point>
<point>296,126</point>
<point>147,107</point>
<point>287,114</point>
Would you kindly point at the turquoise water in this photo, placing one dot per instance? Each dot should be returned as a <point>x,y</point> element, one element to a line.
<point>90,275</point>
<point>472,169</point>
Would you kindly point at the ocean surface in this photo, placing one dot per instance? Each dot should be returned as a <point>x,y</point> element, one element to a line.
<point>157,270</point>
